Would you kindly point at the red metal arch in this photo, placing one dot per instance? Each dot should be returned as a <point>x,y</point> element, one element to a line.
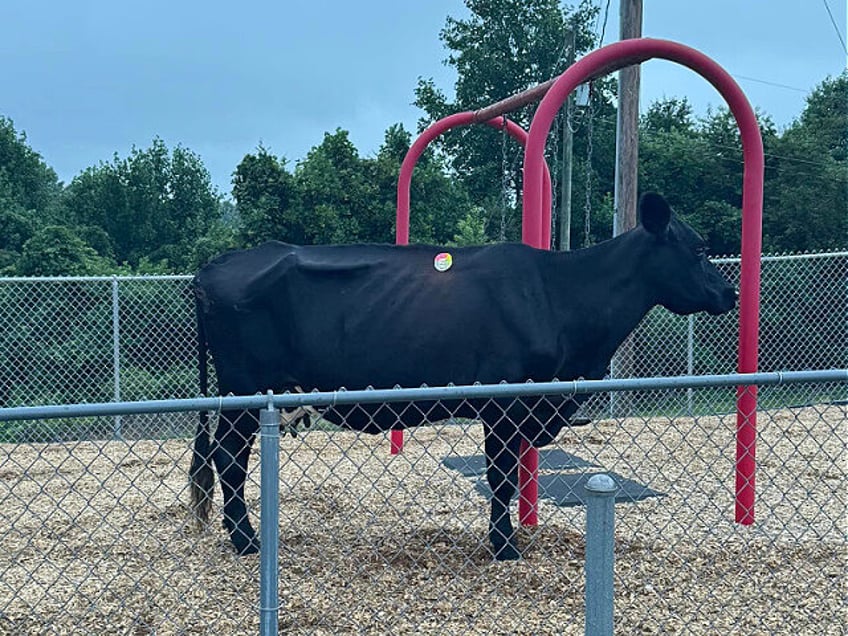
<point>434,130</point>
<point>626,53</point>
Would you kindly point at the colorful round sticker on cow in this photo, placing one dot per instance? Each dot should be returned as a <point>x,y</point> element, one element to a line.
<point>442,262</point>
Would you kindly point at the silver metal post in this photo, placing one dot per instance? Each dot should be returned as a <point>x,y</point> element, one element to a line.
<point>690,362</point>
<point>613,394</point>
<point>269,521</point>
<point>116,355</point>
<point>600,527</point>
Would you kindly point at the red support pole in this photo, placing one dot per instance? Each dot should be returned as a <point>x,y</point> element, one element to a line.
<point>396,441</point>
<point>528,485</point>
<point>625,53</point>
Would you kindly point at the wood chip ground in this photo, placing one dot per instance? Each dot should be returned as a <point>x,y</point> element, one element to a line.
<point>98,538</point>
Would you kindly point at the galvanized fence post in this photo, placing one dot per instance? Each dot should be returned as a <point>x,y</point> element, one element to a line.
<point>690,361</point>
<point>116,354</point>
<point>269,521</point>
<point>600,527</point>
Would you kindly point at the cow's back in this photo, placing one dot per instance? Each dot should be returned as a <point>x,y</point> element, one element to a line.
<point>388,316</point>
<point>358,315</point>
<point>235,277</point>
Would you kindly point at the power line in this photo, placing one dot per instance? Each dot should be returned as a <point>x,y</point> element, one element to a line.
<point>760,81</point>
<point>604,27</point>
<point>835,27</point>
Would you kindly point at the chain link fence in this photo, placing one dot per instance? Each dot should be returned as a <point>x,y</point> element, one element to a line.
<point>803,322</point>
<point>99,536</point>
<point>68,340</point>
<point>95,339</point>
<point>803,325</point>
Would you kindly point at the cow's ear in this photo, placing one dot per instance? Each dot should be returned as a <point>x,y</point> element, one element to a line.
<point>655,214</point>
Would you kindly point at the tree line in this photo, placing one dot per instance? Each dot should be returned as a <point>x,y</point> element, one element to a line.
<point>156,210</point>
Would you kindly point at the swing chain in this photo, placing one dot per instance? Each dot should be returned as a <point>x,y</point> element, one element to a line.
<point>555,208</point>
<point>587,209</point>
<point>504,179</point>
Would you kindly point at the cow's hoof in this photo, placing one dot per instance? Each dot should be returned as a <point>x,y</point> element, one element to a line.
<point>507,553</point>
<point>244,541</point>
<point>243,548</point>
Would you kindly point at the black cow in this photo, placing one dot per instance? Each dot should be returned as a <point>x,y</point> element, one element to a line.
<point>281,316</point>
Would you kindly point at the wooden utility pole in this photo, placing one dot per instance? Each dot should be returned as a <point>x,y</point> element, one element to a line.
<point>627,130</point>
<point>567,153</point>
<point>626,180</point>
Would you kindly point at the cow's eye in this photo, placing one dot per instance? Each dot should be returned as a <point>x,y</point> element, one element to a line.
<point>702,251</point>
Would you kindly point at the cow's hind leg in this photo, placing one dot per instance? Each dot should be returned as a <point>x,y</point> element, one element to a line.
<point>234,436</point>
<point>502,445</point>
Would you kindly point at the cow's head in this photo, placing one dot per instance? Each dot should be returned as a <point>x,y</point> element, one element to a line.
<point>681,277</point>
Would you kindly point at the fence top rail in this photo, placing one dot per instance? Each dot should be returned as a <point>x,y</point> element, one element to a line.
<point>769,258</point>
<point>372,396</point>
<point>93,279</point>
<point>187,277</point>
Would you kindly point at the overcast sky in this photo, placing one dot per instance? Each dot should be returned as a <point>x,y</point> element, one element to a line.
<point>89,78</point>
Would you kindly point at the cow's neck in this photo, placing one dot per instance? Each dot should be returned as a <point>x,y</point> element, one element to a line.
<point>605,286</point>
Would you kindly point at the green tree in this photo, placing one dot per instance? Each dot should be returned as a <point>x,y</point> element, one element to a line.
<point>678,159</point>
<point>503,47</point>
<point>438,203</point>
<point>382,171</point>
<point>153,205</point>
<point>219,238</point>
<point>335,193</point>
<point>25,179</point>
<point>825,116</point>
<point>332,196</point>
<point>668,115</point>
<point>266,200</point>
<point>697,165</point>
<point>16,227</point>
<point>806,207</point>
<point>336,196</point>
<point>29,192</point>
<point>471,230</point>
<point>55,250</point>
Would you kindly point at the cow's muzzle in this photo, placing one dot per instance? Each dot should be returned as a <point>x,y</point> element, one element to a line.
<point>726,301</point>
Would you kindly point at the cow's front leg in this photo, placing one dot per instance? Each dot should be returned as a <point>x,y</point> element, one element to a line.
<point>502,445</point>
<point>234,437</point>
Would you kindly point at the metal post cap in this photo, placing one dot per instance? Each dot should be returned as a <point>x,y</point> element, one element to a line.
<point>601,484</point>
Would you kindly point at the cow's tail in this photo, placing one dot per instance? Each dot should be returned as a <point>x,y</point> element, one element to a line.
<point>201,475</point>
